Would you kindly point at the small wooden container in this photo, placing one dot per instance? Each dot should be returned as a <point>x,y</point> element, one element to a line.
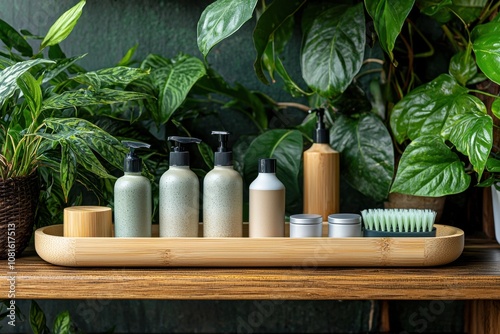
<point>88,221</point>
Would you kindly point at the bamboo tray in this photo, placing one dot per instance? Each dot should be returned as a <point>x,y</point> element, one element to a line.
<point>248,252</point>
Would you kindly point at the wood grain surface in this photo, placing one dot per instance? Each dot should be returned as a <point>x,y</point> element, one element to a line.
<point>249,252</point>
<point>475,275</point>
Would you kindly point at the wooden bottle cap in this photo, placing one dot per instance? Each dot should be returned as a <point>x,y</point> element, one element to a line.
<point>87,221</point>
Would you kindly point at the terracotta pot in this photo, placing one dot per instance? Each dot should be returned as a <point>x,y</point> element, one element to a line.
<point>18,204</point>
<point>402,201</point>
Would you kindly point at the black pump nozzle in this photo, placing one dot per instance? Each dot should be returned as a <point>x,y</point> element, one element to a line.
<point>321,134</point>
<point>132,163</point>
<point>179,156</point>
<point>223,156</point>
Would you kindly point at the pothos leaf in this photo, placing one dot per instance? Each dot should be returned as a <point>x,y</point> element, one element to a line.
<point>367,154</point>
<point>487,49</point>
<point>333,49</point>
<point>471,131</point>
<point>275,15</point>
<point>388,17</point>
<point>428,167</point>
<point>424,110</point>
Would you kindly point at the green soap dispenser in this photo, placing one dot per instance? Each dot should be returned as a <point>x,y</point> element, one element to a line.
<point>222,194</point>
<point>132,197</point>
<point>179,193</point>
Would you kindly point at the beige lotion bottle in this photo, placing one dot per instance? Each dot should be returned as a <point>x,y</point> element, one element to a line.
<point>179,193</point>
<point>267,203</point>
<point>132,197</point>
<point>222,194</point>
<point>321,173</point>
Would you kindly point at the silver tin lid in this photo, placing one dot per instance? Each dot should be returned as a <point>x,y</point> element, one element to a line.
<point>306,219</point>
<point>344,218</point>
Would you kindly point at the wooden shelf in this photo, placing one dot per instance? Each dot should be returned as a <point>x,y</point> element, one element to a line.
<point>474,276</point>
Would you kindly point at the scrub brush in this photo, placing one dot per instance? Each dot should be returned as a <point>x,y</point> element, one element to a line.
<point>399,222</point>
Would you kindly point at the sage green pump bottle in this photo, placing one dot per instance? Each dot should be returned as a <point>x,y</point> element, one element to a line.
<point>132,196</point>
<point>179,193</point>
<point>222,195</point>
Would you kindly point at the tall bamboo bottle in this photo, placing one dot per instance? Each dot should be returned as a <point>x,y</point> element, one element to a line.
<point>321,173</point>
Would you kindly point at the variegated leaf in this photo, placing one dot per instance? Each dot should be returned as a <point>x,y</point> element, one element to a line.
<point>60,66</point>
<point>67,168</point>
<point>9,76</point>
<point>174,83</point>
<point>63,26</point>
<point>119,75</point>
<point>32,93</point>
<point>97,139</point>
<point>83,97</point>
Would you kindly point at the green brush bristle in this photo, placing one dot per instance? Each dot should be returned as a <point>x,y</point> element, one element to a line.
<point>399,220</point>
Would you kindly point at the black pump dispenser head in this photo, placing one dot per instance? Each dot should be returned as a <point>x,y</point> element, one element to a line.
<point>321,134</point>
<point>223,156</point>
<point>179,156</point>
<point>132,163</point>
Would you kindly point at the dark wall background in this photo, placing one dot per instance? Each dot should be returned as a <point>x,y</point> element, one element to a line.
<point>106,30</point>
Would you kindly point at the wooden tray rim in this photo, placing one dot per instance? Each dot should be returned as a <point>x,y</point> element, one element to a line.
<point>52,247</point>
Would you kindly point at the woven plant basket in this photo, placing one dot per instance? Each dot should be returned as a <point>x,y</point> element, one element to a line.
<point>18,204</point>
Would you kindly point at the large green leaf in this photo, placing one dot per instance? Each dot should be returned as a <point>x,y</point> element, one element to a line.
<point>428,167</point>
<point>9,76</point>
<point>63,26</point>
<point>37,319</point>
<point>290,85</point>
<point>444,10</point>
<point>276,46</point>
<point>12,39</point>
<point>495,108</point>
<point>97,139</point>
<point>32,94</point>
<point>437,9</point>
<point>83,97</point>
<point>62,324</point>
<point>60,66</point>
<point>468,10</point>
<point>174,82</point>
<point>333,49</point>
<point>286,147</point>
<point>425,110</point>
<point>463,67</point>
<point>367,154</point>
<point>67,168</point>
<point>487,49</point>
<point>471,131</point>
<point>220,20</point>
<point>388,18</point>
<point>271,20</point>
<point>119,75</point>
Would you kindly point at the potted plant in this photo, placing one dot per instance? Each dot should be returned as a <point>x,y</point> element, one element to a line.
<point>37,139</point>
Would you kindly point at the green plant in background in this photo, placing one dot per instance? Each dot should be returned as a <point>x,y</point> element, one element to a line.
<point>358,59</point>
<point>40,100</point>
<point>449,127</point>
<point>333,61</point>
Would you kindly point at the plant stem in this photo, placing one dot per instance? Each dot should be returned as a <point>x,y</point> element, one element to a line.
<point>284,105</point>
<point>484,93</point>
